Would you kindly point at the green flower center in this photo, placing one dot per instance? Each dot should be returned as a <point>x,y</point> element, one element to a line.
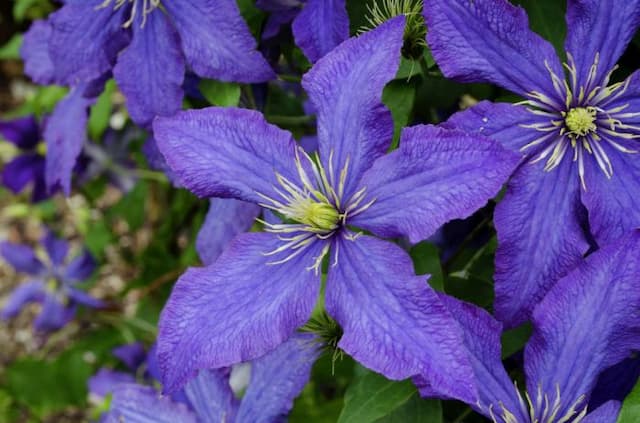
<point>581,120</point>
<point>319,215</point>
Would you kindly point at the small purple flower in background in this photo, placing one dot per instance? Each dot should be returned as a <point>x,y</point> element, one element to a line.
<point>263,287</point>
<point>587,323</point>
<point>577,132</point>
<point>274,382</point>
<point>27,169</point>
<point>148,44</point>
<point>53,284</point>
<point>318,25</point>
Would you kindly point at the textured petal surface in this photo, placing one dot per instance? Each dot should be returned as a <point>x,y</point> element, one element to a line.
<point>226,218</point>
<point>482,344</point>
<point>35,53</point>
<point>595,309</point>
<point>151,69</point>
<point>277,378</point>
<point>320,27</point>
<point>85,40</point>
<point>27,292</point>
<point>211,397</point>
<point>613,204</point>
<point>435,176</point>
<point>236,309</point>
<point>23,132</point>
<point>499,121</point>
<point>217,42</point>
<point>599,27</point>
<point>141,404</point>
<point>65,134</point>
<point>21,257</point>
<point>489,41</point>
<point>606,413</point>
<point>540,238</point>
<point>226,152</point>
<point>345,88</point>
<point>393,322</point>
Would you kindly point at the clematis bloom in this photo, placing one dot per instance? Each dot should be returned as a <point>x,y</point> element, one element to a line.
<point>587,323</point>
<point>274,382</point>
<point>576,130</point>
<point>264,285</point>
<point>54,283</point>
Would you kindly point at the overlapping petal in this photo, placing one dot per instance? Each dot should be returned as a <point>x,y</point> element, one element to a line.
<point>613,203</point>
<point>226,218</point>
<point>80,267</point>
<point>150,71</point>
<point>216,41</point>
<point>54,315</point>
<point>57,249</point>
<point>226,152</point>
<point>606,413</point>
<point>482,344</point>
<point>435,176</point>
<point>599,28</point>
<point>85,40</point>
<point>499,121</point>
<point>211,397</point>
<point>345,88</point>
<point>320,27</point>
<point>393,322</point>
<point>540,238</point>
<point>65,133</point>
<point>489,41</point>
<point>237,309</point>
<point>35,53</point>
<point>22,170</point>
<point>139,404</point>
<point>277,378</point>
<point>587,322</point>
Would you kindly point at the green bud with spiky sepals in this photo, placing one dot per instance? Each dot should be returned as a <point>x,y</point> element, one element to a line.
<point>329,334</point>
<point>415,31</point>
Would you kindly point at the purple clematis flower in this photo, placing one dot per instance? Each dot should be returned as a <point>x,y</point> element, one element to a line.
<point>318,25</point>
<point>577,132</point>
<point>27,169</point>
<point>148,44</point>
<point>275,380</point>
<point>587,323</point>
<point>54,283</point>
<point>264,285</point>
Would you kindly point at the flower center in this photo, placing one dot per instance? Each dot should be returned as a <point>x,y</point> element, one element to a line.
<point>582,117</point>
<point>147,7</point>
<point>581,120</point>
<point>319,215</point>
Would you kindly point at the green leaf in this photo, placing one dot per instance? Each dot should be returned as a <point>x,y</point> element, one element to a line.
<point>372,396</point>
<point>101,112</point>
<point>225,94</point>
<point>11,50</point>
<point>630,412</point>
<point>399,96</point>
<point>416,410</point>
<point>513,340</point>
<point>97,238</point>
<point>37,383</point>
<point>426,260</point>
<point>546,17</point>
<point>132,207</point>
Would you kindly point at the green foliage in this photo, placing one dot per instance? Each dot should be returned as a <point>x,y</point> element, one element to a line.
<point>546,17</point>
<point>225,94</point>
<point>630,412</point>
<point>373,398</point>
<point>49,386</point>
